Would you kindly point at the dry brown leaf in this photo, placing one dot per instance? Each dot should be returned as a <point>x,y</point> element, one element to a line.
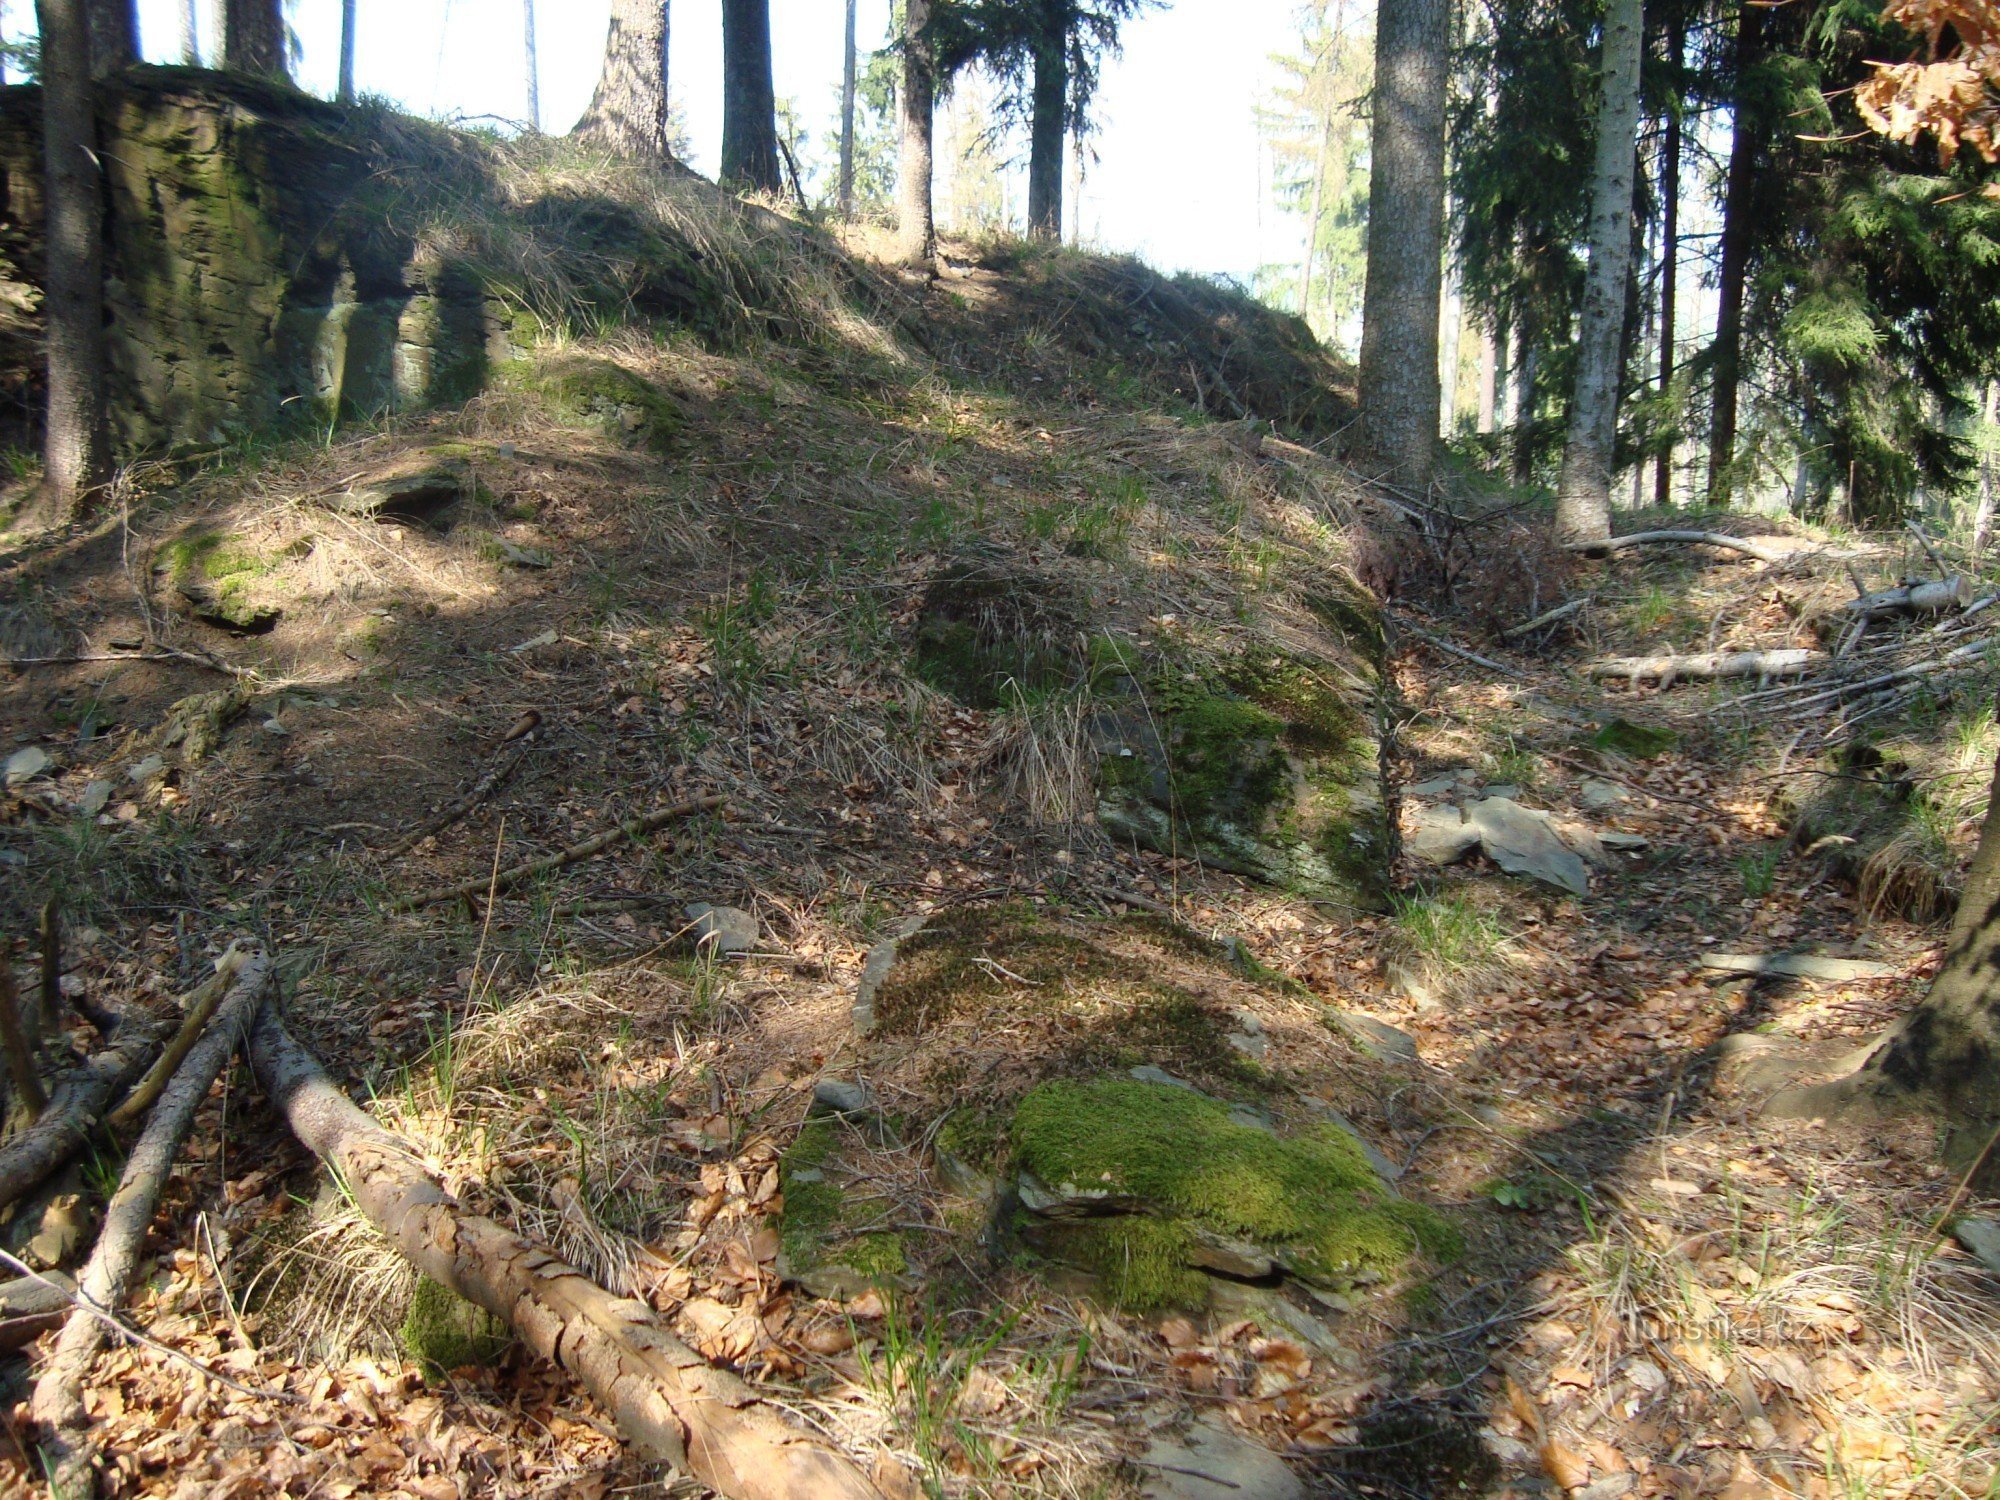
<point>1567,1467</point>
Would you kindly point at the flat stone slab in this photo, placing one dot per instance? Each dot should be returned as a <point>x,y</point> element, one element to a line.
<point>725,929</point>
<point>1981,1239</point>
<point>1800,966</point>
<point>1377,1038</point>
<point>1214,1462</point>
<point>1525,842</point>
<point>420,492</point>
<point>1442,836</point>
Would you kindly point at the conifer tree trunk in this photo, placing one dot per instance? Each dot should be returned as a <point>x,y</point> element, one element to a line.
<point>1944,1056</point>
<point>1521,403</point>
<point>534,63</point>
<point>749,103</point>
<point>1583,500</point>
<point>1737,213</point>
<point>847,71</point>
<point>347,19</point>
<point>1492,359</point>
<point>1399,320</point>
<point>1315,212</point>
<point>1989,471</point>
<point>916,228</point>
<point>253,37</point>
<point>76,458</point>
<point>114,36</point>
<point>1045,137</point>
<point>190,35</point>
<point>1670,246</point>
<point>628,112</point>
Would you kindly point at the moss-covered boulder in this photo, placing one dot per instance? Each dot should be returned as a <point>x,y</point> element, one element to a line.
<point>1263,767</point>
<point>1149,1184</point>
<point>603,394</point>
<point>216,576</point>
<point>443,1332</point>
<point>826,1242</point>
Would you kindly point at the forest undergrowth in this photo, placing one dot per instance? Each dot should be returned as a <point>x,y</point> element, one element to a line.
<point>901,606</point>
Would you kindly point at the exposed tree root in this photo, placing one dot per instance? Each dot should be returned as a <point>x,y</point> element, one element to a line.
<point>1669,669</point>
<point>668,1402</point>
<point>58,1399</point>
<point>1684,538</point>
<point>512,876</point>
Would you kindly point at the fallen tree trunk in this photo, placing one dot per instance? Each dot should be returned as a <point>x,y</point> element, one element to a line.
<point>667,1401</point>
<point>1685,538</point>
<point>1547,617</point>
<point>512,876</point>
<point>58,1399</point>
<point>75,1106</point>
<point>1709,664</point>
<point>1927,597</point>
<point>1799,966</point>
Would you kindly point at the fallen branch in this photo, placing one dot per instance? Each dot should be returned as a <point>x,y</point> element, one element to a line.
<point>197,1008</point>
<point>75,1104</point>
<point>1709,664</point>
<point>1439,643</point>
<point>495,775</point>
<point>1685,538</point>
<point>514,875</point>
<point>107,1277</point>
<point>1799,966</point>
<point>29,1100</point>
<point>1547,617</point>
<point>667,1401</point>
<point>1887,679</point>
<point>1925,597</point>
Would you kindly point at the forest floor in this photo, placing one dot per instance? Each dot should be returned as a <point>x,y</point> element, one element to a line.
<point>1658,1293</point>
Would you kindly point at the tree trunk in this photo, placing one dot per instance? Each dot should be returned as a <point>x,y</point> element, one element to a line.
<point>1399,320</point>
<point>253,37</point>
<point>1670,247</point>
<point>667,1401</point>
<point>1313,214</point>
<point>1737,215</point>
<point>114,36</point>
<point>749,105</point>
<point>1944,1056</point>
<point>190,37</point>
<point>76,453</point>
<point>847,115</point>
<point>628,113</point>
<point>346,89</point>
<point>1045,139</point>
<point>1583,500</point>
<point>1521,405</point>
<point>1492,359</point>
<point>534,64</point>
<point>1989,471</point>
<point>916,229</point>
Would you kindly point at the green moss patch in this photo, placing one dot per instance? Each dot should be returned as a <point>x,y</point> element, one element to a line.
<point>938,973</point>
<point>1142,1262</point>
<point>1312,1197</point>
<point>443,1332</point>
<point>1636,741</point>
<point>826,1243</point>
<point>215,572</point>
<point>599,393</point>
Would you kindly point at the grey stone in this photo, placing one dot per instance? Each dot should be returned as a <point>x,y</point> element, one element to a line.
<point>95,797</point>
<point>1600,796</point>
<point>1227,1255</point>
<point>836,1096</point>
<point>1610,1487</point>
<point>525,557</point>
<point>1626,842</point>
<point>875,972</point>
<point>419,493</point>
<point>1505,793</point>
<point>1065,1200</point>
<point>1251,1117</point>
<point>1377,1038</point>
<point>1387,1170</point>
<point>1508,1450</point>
<point>145,770</point>
<point>1522,842</point>
<point>1276,1314</point>
<point>1981,1239</point>
<point>1442,836</point>
<point>725,929</point>
<point>25,764</point>
<point>1213,1462</point>
<point>1147,1073</point>
<point>1437,786</point>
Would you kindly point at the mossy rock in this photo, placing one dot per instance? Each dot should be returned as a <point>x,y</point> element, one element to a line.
<point>1172,1163</point>
<point>443,1332</point>
<point>824,1243</point>
<point>1262,767</point>
<point>1634,741</point>
<point>216,574</point>
<point>606,395</point>
<point>993,636</point>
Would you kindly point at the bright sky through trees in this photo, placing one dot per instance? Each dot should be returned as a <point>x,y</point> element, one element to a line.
<point>1180,175</point>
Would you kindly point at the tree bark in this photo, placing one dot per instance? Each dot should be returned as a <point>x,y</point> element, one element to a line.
<point>76,1104</point>
<point>628,113</point>
<point>1583,499</point>
<point>667,1401</point>
<point>107,1278</point>
<point>1046,131</point>
<point>190,35</point>
<point>533,58</point>
<point>1670,246</point>
<point>253,37</point>
<point>1521,404</point>
<point>76,452</point>
<point>1399,320</point>
<point>1943,1058</point>
<point>114,36</point>
<point>916,228</point>
<point>749,104</point>
<point>347,19</point>
<point>847,80</point>
<point>1726,373</point>
<point>1989,471</point>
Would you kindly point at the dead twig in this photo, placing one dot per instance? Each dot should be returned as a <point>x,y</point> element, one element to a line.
<point>198,1007</point>
<point>496,776</point>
